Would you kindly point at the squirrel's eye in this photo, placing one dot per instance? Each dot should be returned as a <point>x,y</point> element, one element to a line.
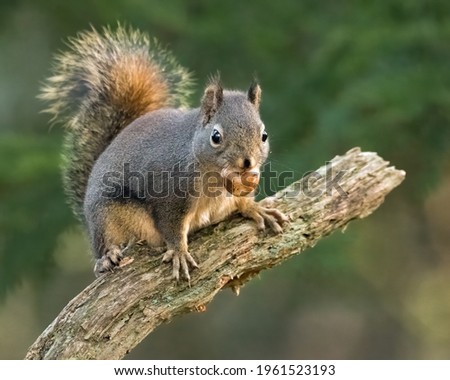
<point>264,136</point>
<point>216,137</point>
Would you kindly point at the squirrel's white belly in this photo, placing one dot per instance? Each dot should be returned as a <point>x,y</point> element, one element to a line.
<point>210,210</point>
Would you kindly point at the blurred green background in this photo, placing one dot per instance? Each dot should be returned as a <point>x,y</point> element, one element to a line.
<point>335,74</point>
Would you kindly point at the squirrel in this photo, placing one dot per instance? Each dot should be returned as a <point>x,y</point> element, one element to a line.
<point>138,164</point>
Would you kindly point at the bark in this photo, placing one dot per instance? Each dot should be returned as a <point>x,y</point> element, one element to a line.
<point>118,310</point>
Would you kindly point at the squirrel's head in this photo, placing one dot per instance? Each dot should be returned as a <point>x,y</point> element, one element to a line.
<point>232,138</point>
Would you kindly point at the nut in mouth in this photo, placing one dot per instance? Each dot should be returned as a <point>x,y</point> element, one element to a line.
<point>241,184</point>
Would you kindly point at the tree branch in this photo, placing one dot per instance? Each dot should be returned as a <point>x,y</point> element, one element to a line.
<point>117,311</point>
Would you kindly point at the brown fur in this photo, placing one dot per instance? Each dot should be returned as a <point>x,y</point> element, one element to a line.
<point>125,223</point>
<point>138,86</point>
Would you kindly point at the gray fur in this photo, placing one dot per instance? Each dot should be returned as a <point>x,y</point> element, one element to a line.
<point>78,95</point>
<point>171,138</point>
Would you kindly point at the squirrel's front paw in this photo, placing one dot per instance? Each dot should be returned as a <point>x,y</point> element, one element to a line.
<point>265,216</point>
<point>179,260</point>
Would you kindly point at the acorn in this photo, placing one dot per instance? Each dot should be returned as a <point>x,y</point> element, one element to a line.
<point>241,184</point>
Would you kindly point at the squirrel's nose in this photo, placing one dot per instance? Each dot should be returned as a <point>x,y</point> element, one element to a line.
<point>247,163</point>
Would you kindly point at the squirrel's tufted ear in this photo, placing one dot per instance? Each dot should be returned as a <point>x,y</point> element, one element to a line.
<point>212,99</point>
<point>254,94</point>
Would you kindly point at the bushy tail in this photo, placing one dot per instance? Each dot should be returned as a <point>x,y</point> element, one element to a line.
<point>100,85</point>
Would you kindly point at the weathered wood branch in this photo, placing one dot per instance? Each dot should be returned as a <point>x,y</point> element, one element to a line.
<point>117,311</point>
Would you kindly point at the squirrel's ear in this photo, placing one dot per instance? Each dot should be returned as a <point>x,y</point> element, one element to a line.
<point>212,99</point>
<point>254,94</point>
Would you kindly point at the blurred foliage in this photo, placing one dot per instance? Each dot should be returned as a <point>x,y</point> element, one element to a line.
<point>335,74</point>
<point>32,208</point>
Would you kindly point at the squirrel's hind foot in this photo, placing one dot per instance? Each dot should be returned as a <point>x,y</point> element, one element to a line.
<point>110,260</point>
<point>180,261</point>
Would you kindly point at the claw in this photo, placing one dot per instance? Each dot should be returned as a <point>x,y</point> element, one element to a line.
<point>180,260</point>
<point>141,243</point>
<point>273,224</point>
<point>185,269</point>
<point>168,256</point>
<point>281,218</point>
<point>176,267</point>
<point>191,260</point>
<point>266,216</point>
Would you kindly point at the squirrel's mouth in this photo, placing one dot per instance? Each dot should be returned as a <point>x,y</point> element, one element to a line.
<point>240,183</point>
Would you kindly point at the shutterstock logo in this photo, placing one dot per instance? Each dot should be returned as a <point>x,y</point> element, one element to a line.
<point>189,181</point>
